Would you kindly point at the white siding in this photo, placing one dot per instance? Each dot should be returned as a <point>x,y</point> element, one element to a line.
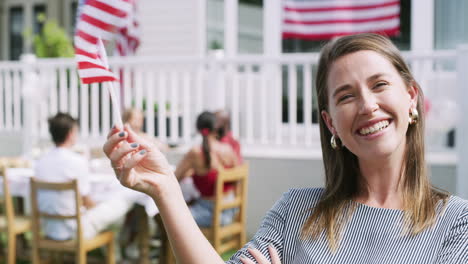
<point>171,28</point>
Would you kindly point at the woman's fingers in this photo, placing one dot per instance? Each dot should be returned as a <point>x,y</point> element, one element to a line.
<point>113,141</point>
<point>275,259</point>
<point>112,131</point>
<point>258,256</point>
<point>119,153</point>
<point>245,260</point>
<point>134,137</point>
<point>131,162</point>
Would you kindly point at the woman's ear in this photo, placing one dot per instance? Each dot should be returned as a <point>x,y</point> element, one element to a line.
<point>413,92</point>
<point>328,121</point>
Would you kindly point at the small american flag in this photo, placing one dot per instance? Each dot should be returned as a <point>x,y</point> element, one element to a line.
<point>99,19</point>
<point>325,19</point>
<point>93,66</point>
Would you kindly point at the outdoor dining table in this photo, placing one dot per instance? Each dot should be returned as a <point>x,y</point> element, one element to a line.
<point>103,183</point>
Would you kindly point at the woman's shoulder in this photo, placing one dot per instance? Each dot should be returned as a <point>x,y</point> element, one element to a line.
<point>304,197</point>
<point>456,207</point>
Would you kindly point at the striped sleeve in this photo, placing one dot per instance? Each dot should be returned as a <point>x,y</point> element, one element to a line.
<point>270,232</point>
<point>455,247</point>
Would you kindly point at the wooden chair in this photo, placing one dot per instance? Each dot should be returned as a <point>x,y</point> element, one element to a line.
<point>80,245</point>
<point>231,236</point>
<point>13,225</point>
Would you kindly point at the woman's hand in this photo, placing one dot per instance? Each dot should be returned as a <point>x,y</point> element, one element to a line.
<point>138,164</point>
<point>275,259</point>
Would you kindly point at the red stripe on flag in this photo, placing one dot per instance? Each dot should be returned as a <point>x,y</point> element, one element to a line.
<point>83,65</point>
<point>337,8</point>
<point>98,23</point>
<point>326,36</point>
<point>107,8</point>
<point>85,53</point>
<point>86,36</point>
<point>337,21</point>
<point>89,80</point>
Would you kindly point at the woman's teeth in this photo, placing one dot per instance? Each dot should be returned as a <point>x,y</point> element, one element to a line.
<point>374,128</point>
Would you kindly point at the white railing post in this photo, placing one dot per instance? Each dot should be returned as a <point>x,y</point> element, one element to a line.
<point>29,94</point>
<point>462,128</point>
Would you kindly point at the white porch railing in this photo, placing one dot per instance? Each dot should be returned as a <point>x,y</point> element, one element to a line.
<point>271,99</point>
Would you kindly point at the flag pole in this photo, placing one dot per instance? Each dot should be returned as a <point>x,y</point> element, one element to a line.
<point>115,106</point>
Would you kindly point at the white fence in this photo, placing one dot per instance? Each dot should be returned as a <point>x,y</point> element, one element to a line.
<point>272,100</point>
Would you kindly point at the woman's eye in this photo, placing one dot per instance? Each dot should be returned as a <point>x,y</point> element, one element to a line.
<point>380,84</point>
<point>344,97</point>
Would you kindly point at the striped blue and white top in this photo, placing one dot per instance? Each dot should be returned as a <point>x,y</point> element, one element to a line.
<point>372,235</point>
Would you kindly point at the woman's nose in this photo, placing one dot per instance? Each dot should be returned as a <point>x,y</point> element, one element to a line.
<point>368,104</point>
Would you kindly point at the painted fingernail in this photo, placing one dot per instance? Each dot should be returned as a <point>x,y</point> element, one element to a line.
<point>142,152</point>
<point>121,134</point>
<point>134,145</point>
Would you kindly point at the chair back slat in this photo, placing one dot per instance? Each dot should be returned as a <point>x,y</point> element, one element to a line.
<point>238,177</point>
<point>79,244</point>
<point>8,211</point>
<point>232,204</point>
<point>38,185</point>
<point>55,186</point>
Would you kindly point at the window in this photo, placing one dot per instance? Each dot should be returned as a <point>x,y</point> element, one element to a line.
<point>16,19</point>
<point>74,15</point>
<point>39,17</point>
<point>450,23</point>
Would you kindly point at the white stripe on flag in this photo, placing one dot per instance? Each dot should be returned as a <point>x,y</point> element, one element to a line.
<point>336,3</point>
<point>82,58</point>
<point>342,14</point>
<point>342,27</point>
<point>85,45</point>
<point>119,4</point>
<point>94,72</point>
<point>94,31</point>
<point>105,17</point>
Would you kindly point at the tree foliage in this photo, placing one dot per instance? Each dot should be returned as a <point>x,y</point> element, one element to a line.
<point>52,42</point>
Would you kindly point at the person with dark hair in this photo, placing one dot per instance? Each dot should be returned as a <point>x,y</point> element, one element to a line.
<point>61,164</point>
<point>377,205</point>
<point>202,164</point>
<point>223,128</point>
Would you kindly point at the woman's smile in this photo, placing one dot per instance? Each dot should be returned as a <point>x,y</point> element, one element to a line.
<point>373,129</point>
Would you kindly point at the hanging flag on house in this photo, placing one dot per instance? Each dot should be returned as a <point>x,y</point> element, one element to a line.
<point>325,19</point>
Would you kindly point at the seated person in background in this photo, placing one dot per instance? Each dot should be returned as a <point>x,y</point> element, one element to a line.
<point>135,119</point>
<point>205,161</point>
<point>223,129</point>
<point>61,164</point>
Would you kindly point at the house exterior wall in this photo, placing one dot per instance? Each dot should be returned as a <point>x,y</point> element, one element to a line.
<point>174,27</point>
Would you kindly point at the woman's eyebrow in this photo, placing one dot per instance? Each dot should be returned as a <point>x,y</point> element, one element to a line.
<point>341,89</point>
<point>375,76</point>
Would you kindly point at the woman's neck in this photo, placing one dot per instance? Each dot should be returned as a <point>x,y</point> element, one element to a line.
<point>381,182</point>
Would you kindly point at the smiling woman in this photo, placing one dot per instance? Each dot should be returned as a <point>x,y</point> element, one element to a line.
<point>377,206</point>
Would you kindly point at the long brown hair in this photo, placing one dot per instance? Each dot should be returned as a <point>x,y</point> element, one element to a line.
<point>342,174</point>
<point>205,125</point>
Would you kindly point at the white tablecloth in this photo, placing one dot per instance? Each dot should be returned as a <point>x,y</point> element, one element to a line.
<point>104,184</point>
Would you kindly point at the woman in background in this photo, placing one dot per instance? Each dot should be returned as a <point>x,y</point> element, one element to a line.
<point>202,163</point>
<point>135,119</point>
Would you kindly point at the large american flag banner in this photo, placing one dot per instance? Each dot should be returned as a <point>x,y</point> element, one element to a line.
<point>326,19</point>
